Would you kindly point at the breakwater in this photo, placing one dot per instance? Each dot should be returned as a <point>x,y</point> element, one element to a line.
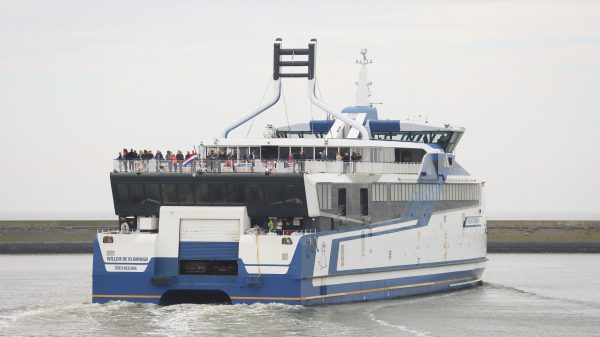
<point>506,236</point>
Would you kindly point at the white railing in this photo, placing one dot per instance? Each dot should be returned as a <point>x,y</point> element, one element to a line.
<point>282,232</point>
<point>114,230</point>
<point>266,166</point>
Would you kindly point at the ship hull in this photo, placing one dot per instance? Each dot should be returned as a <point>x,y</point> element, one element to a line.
<point>378,261</point>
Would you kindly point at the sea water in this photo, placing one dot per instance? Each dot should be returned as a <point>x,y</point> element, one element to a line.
<point>523,295</point>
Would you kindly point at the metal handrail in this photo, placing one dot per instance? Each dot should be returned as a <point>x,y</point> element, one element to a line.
<point>267,166</point>
<point>281,232</point>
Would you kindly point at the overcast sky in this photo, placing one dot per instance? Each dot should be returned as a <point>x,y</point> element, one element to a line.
<point>80,80</point>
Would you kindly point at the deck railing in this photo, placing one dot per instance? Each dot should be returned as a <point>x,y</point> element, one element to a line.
<point>265,166</point>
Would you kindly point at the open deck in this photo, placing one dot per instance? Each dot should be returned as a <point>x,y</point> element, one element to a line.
<point>266,166</point>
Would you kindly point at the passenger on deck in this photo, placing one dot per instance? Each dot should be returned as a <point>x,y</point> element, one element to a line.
<point>301,159</point>
<point>271,225</point>
<point>338,157</point>
<point>131,157</point>
<point>169,160</point>
<point>159,161</point>
<point>346,159</point>
<point>174,161</point>
<point>120,159</point>
<point>321,155</point>
<point>179,161</point>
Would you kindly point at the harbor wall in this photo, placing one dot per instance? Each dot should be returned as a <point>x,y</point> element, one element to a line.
<point>504,236</point>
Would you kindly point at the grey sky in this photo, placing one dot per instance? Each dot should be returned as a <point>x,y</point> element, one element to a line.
<point>80,80</point>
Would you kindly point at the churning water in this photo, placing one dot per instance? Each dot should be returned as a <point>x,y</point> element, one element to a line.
<point>523,295</point>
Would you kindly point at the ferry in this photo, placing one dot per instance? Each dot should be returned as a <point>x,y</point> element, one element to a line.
<point>344,209</point>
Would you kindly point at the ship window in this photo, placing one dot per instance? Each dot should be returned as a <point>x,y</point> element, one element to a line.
<point>296,151</point>
<point>308,153</point>
<point>395,192</point>
<point>344,151</point>
<point>254,195</point>
<point>218,194</point>
<point>331,153</point>
<point>283,152</point>
<point>244,152</point>
<point>268,152</point>
<point>152,192</point>
<point>273,194</point>
<point>236,194</point>
<point>169,193</point>
<point>293,195</point>
<point>318,152</point>
<point>136,191</point>
<point>379,192</point>
<point>342,201</point>
<point>364,201</point>
<point>186,196</point>
<point>324,195</point>
<point>123,192</point>
<point>256,151</point>
<point>202,193</point>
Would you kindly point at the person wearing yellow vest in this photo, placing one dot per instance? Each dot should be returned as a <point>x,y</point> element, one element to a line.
<point>271,225</point>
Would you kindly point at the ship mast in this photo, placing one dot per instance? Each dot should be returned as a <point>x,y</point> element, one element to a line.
<point>362,91</point>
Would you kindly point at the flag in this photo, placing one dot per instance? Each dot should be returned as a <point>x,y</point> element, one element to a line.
<point>189,161</point>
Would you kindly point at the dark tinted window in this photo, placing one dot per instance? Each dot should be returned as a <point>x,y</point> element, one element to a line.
<point>169,193</point>
<point>268,152</point>
<point>293,194</point>
<point>186,196</point>
<point>344,150</point>
<point>364,201</point>
<point>283,152</point>
<point>342,201</point>
<point>318,151</point>
<point>218,194</point>
<point>123,192</point>
<point>202,193</point>
<point>236,194</point>
<point>273,194</point>
<point>331,153</point>
<point>136,192</point>
<point>153,192</point>
<point>254,195</point>
<point>308,153</point>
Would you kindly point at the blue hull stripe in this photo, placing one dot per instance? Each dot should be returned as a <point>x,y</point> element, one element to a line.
<point>463,280</point>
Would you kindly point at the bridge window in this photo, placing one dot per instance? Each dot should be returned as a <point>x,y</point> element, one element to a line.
<point>292,195</point>
<point>202,193</point>
<point>273,194</point>
<point>136,192</point>
<point>169,193</point>
<point>123,192</point>
<point>236,194</point>
<point>254,195</point>
<point>218,194</point>
<point>186,195</point>
<point>152,192</point>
